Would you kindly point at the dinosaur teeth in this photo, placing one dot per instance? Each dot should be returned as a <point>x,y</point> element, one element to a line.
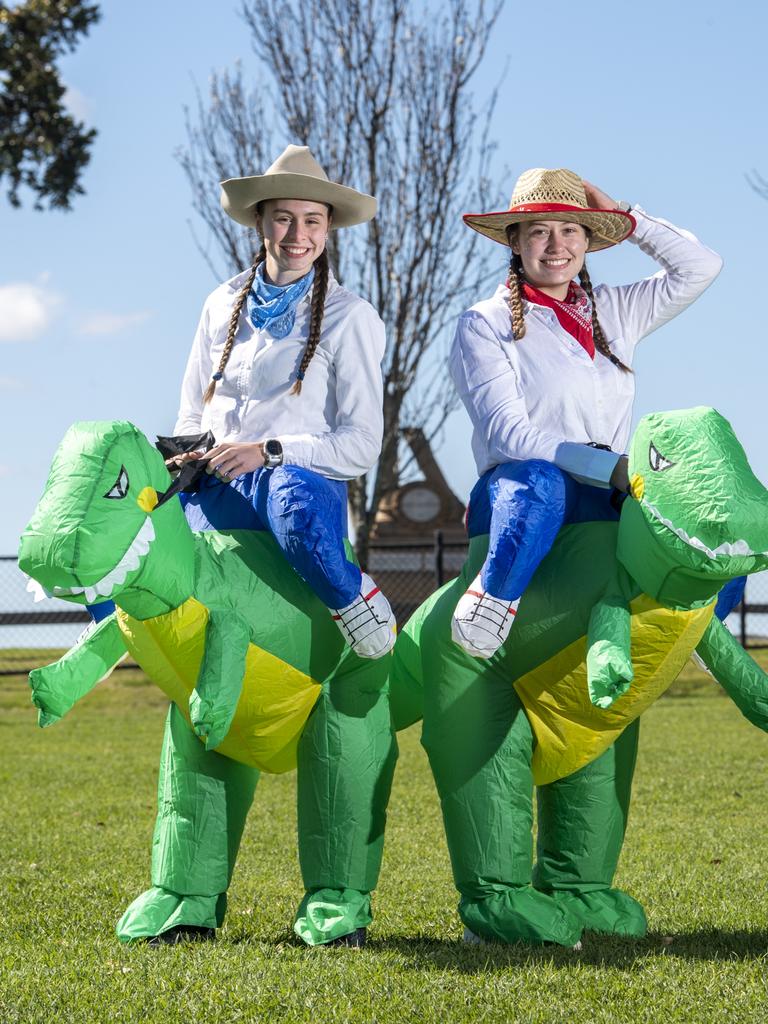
<point>38,591</point>
<point>115,577</point>
<point>738,548</point>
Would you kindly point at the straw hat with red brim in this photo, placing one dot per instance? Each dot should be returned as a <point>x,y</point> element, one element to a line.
<point>295,175</point>
<point>543,194</point>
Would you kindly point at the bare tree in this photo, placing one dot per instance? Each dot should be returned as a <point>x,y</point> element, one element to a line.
<point>381,94</point>
<point>758,183</point>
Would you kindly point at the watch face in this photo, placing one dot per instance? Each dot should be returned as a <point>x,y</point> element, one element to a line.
<point>273,448</point>
<point>420,504</point>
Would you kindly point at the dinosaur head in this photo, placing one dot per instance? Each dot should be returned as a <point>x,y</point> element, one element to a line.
<point>98,533</point>
<point>697,516</point>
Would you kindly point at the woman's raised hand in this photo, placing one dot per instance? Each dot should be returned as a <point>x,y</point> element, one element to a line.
<point>598,199</point>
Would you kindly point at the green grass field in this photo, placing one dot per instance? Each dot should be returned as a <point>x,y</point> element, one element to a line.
<point>77,809</point>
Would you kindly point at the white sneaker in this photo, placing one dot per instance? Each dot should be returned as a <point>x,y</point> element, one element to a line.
<point>471,939</point>
<point>368,624</point>
<point>481,622</point>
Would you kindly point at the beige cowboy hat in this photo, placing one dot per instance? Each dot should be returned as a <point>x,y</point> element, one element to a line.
<point>295,175</point>
<point>542,194</point>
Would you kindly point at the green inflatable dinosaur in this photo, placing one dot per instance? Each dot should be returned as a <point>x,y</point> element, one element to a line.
<point>609,620</point>
<point>251,660</point>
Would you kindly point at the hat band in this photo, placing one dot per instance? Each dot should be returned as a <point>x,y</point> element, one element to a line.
<point>548,208</point>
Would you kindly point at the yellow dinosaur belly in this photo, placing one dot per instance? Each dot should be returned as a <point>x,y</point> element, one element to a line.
<point>570,731</point>
<point>275,702</point>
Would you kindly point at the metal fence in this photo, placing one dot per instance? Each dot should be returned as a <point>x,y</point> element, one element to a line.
<point>408,572</point>
<point>31,634</point>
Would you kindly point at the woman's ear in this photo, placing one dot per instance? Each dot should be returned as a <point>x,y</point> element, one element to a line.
<point>513,233</point>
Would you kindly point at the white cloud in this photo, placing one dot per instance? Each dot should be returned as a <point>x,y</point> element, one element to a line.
<point>10,384</point>
<point>77,103</point>
<point>25,310</point>
<point>112,323</point>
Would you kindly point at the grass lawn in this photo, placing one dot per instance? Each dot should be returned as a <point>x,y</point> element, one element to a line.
<point>77,808</point>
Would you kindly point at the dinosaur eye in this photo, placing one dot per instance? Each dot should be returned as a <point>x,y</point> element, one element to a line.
<point>657,460</point>
<point>119,488</point>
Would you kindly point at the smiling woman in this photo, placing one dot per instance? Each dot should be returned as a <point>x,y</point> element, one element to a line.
<point>289,436</point>
<point>285,373</point>
<point>544,369</point>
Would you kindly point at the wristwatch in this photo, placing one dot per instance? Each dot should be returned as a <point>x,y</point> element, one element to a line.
<point>273,453</point>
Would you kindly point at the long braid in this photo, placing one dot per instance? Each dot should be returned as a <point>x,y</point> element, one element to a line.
<point>234,320</point>
<point>515,297</point>
<point>319,289</point>
<point>597,332</point>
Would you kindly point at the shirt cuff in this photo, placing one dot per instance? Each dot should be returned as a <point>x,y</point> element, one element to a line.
<point>642,223</point>
<point>297,449</point>
<point>592,466</point>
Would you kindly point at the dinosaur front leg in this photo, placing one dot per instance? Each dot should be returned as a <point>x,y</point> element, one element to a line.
<point>214,699</point>
<point>738,674</point>
<point>57,687</point>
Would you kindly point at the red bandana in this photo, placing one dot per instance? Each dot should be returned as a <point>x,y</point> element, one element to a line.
<point>574,314</point>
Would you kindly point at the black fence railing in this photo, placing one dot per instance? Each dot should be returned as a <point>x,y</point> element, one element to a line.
<point>407,571</point>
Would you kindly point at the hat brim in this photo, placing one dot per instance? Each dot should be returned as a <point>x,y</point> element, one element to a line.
<point>239,197</point>
<point>606,227</point>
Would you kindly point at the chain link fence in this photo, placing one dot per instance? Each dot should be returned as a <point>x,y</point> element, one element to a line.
<point>408,572</point>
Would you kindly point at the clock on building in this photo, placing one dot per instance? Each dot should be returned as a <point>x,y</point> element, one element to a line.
<point>419,503</point>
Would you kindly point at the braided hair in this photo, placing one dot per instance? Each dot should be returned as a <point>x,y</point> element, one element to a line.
<point>317,309</point>
<point>515,281</point>
<point>319,290</point>
<point>597,331</point>
<point>234,320</point>
<point>515,299</point>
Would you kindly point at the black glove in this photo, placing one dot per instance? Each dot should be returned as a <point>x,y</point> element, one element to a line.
<point>190,473</point>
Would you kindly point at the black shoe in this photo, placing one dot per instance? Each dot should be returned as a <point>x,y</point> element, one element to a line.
<point>182,933</point>
<point>355,940</point>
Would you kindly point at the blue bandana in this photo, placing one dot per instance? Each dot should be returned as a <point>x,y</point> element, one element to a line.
<point>273,307</point>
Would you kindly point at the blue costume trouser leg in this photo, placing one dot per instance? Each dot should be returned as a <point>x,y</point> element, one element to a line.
<point>529,502</point>
<point>307,515</point>
<point>305,512</point>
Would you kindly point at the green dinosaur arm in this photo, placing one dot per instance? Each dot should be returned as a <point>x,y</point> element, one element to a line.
<point>220,679</point>
<point>609,661</point>
<point>56,687</point>
<point>738,674</point>
<point>609,665</point>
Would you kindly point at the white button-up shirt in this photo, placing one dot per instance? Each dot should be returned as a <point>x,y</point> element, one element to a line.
<point>334,426</point>
<point>543,397</point>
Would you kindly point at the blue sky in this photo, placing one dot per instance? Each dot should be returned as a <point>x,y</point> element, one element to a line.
<point>659,103</point>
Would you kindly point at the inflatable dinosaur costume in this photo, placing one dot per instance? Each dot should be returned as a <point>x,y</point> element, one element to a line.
<point>249,657</point>
<point>608,621</point>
